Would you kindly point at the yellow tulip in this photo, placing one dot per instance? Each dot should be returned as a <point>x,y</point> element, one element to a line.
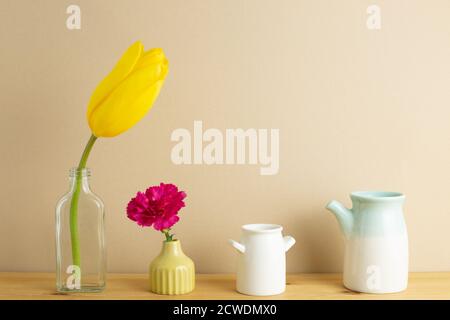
<point>126,95</point>
<point>118,103</point>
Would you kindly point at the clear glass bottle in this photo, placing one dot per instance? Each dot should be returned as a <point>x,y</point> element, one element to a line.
<point>80,237</point>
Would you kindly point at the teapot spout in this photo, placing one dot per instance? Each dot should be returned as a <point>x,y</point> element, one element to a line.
<point>238,246</point>
<point>343,215</point>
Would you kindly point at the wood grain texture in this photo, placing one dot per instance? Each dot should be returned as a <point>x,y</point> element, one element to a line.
<point>219,286</point>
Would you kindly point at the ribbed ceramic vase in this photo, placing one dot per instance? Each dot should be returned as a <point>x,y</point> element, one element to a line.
<point>172,272</point>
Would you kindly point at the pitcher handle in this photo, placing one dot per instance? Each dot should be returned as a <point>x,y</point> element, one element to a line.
<point>288,243</point>
<point>238,246</point>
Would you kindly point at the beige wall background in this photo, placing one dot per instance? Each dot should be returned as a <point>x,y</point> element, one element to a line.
<point>356,109</point>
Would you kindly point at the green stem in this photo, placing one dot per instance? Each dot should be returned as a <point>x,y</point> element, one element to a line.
<point>74,203</point>
<point>169,237</point>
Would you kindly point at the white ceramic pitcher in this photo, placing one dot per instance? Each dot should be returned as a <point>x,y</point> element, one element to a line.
<point>376,255</point>
<point>262,259</point>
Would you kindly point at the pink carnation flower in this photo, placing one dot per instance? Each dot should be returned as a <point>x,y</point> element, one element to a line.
<point>157,207</point>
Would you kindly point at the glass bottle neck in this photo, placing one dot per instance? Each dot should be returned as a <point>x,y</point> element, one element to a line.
<point>83,181</point>
<point>80,177</point>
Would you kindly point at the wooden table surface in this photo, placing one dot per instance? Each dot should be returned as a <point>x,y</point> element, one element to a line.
<point>220,286</point>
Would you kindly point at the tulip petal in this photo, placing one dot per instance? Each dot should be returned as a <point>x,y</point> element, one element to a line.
<point>131,114</point>
<point>129,102</point>
<point>123,68</point>
<point>152,56</point>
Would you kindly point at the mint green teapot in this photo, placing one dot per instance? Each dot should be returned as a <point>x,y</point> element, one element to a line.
<point>376,249</point>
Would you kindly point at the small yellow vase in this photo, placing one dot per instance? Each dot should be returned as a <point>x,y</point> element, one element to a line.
<point>172,272</point>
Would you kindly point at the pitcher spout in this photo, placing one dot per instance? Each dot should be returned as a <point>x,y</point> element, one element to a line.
<point>343,215</point>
